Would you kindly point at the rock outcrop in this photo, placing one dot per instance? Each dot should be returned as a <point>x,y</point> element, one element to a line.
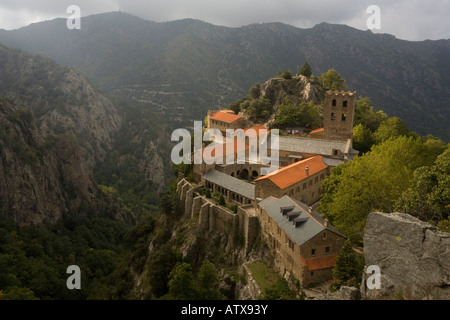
<point>413,257</point>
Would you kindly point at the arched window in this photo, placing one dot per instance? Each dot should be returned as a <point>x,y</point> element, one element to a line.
<point>333,103</point>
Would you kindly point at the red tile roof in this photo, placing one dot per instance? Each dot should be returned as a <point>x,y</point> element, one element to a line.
<point>318,263</point>
<point>296,172</point>
<point>225,116</point>
<point>317,130</point>
<point>221,149</point>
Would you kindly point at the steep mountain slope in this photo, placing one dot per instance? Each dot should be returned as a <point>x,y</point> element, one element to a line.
<point>185,67</point>
<point>44,177</point>
<point>54,128</point>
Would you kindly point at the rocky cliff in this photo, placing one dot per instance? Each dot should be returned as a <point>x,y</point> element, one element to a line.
<point>43,177</point>
<point>55,128</point>
<point>413,257</point>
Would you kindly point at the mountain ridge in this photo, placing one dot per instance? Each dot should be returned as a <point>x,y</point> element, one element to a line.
<point>185,67</point>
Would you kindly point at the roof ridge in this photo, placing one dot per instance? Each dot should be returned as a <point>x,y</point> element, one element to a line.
<point>309,214</point>
<point>289,167</point>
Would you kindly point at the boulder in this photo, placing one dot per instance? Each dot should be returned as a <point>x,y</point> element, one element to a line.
<point>413,257</point>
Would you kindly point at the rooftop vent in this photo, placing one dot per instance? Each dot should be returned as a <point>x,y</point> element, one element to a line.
<point>299,221</point>
<point>307,170</point>
<point>284,210</point>
<point>292,215</point>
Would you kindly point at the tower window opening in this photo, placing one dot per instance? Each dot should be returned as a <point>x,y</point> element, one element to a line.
<point>333,117</point>
<point>344,104</point>
<point>333,103</point>
<point>344,117</point>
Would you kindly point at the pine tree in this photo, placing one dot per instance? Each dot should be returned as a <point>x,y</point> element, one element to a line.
<point>305,70</point>
<point>348,268</point>
<point>222,200</point>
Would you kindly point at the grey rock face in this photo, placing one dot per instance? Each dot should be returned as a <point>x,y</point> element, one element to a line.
<point>413,257</point>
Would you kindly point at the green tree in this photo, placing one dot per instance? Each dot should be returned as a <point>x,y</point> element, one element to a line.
<point>348,268</point>
<point>181,283</point>
<point>287,75</point>
<point>362,138</point>
<point>305,70</point>
<point>304,114</point>
<point>366,115</point>
<point>208,282</point>
<point>259,109</point>
<point>222,200</point>
<point>240,104</point>
<point>428,198</point>
<point>255,91</point>
<point>16,293</point>
<point>391,127</point>
<point>371,182</point>
<point>161,263</point>
<point>331,80</point>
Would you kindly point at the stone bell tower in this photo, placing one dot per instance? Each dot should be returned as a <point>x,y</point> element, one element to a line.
<point>338,114</point>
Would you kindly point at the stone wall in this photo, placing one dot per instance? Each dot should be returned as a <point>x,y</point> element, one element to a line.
<point>307,191</point>
<point>413,257</point>
<point>288,258</point>
<point>338,118</point>
<point>212,217</point>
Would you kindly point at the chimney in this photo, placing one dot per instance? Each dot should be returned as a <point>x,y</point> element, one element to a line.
<point>325,223</point>
<point>307,170</point>
<point>310,210</point>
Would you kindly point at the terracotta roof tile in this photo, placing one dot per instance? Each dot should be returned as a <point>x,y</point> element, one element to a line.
<point>296,172</point>
<point>317,130</point>
<point>225,116</point>
<point>221,149</point>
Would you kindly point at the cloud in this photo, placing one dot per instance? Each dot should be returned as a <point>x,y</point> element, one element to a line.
<point>406,19</point>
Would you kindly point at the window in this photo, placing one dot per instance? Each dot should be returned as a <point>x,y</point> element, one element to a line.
<point>324,235</point>
<point>327,249</point>
<point>322,176</point>
<point>333,103</point>
<point>335,152</point>
<point>312,273</point>
<point>291,244</point>
<point>344,104</point>
<point>310,183</point>
<point>344,117</point>
<point>333,117</point>
<point>304,186</point>
<point>316,179</point>
<point>290,260</point>
<point>313,252</point>
<point>278,230</point>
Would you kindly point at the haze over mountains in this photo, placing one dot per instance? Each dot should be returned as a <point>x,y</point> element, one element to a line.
<point>186,67</point>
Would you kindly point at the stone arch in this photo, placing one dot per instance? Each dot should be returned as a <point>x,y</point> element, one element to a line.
<point>244,174</point>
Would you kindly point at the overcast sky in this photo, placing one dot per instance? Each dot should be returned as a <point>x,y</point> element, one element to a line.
<point>405,19</point>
